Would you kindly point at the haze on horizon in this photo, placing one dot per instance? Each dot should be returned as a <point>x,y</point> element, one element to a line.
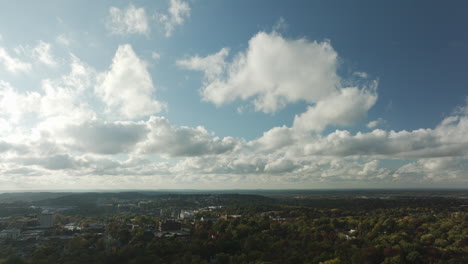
<point>214,94</point>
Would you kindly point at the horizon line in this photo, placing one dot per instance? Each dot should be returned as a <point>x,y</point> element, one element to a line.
<point>238,189</point>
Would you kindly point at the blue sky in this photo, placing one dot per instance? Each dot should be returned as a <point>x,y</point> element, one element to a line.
<point>233,94</point>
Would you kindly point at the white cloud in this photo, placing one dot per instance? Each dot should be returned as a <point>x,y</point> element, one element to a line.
<point>376,123</point>
<point>5,126</point>
<point>221,165</point>
<point>54,162</point>
<point>65,100</point>
<point>81,76</point>
<point>281,166</point>
<point>178,11</point>
<point>19,148</point>
<point>273,72</point>
<point>155,136</point>
<point>156,56</point>
<point>128,87</point>
<point>105,137</point>
<point>11,64</point>
<point>42,53</point>
<point>130,20</point>
<point>463,109</point>
<point>60,134</point>
<point>362,75</point>
<point>14,106</point>
<point>351,170</point>
<point>212,65</point>
<point>170,141</point>
<point>274,139</point>
<point>350,105</point>
<point>276,168</point>
<point>64,104</point>
<point>434,169</point>
<point>60,102</point>
<point>337,157</point>
<point>447,139</point>
<point>64,40</point>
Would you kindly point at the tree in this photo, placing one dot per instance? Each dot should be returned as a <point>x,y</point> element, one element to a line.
<point>332,261</point>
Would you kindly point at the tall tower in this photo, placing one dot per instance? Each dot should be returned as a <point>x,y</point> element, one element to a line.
<point>46,219</point>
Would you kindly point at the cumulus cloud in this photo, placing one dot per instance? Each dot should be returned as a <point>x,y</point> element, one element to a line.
<point>337,157</point>
<point>351,170</point>
<point>32,115</point>
<point>81,76</point>
<point>434,169</point>
<point>85,124</point>
<point>63,39</point>
<point>55,162</point>
<point>212,65</point>
<point>274,139</point>
<point>42,53</point>
<point>435,154</point>
<point>281,165</point>
<point>446,140</point>
<point>178,11</point>
<point>363,75</point>
<point>156,56</point>
<point>105,138</point>
<point>272,72</point>
<point>154,136</point>
<point>128,87</point>
<point>349,106</point>
<point>463,109</point>
<point>131,20</point>
<point>170,141</point>
<point>235,164</point>
<point>376,123</point>
<point>65,100</point>
<point>12,147</point>
<point>276,168</point>
<point>14,105</point>
<point>12,64</point>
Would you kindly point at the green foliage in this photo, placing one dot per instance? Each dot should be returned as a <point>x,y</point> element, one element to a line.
<point>14,260</point>
<point>298,231</point>
<point>332,261</point>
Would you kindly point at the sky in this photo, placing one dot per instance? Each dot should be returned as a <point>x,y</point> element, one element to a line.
<point>215,94</point>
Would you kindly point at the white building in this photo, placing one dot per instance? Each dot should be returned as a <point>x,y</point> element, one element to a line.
<point>72,227</point>
<point>10,234</point>
<point>186,214</point>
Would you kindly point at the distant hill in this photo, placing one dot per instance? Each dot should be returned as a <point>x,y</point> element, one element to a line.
<point>28,196</point>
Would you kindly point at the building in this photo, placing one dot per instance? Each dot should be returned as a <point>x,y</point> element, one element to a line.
<point>186,214</point>
<point>144,204</point>
<point>279,219</point>
<point>226,217</point>
<point>46,220</point>
<point>208,218</point>
<point>179,233</point>
<point>72,227</point>
<point>32,234</point>
<point>10,234</point>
